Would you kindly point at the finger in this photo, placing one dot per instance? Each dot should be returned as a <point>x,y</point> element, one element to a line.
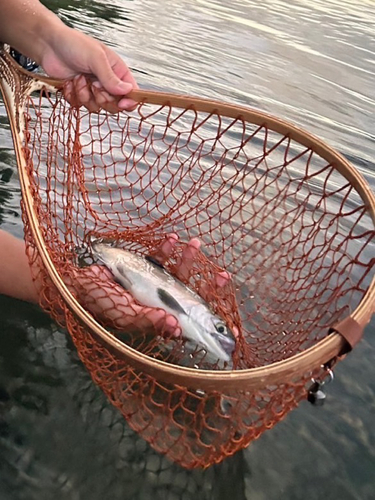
<point>189,255</point>
<point>236,332</point>
<point>127,104</point>
<point>172,326</point>
<point>92,106</point>
<point>160,320</point>
<point>103,99</point>
<point>128,314</point>
<point>106,75</point>
<point>110,103</point>
<point>69,93</point>
<point>109,301</point>
<point>221,279</point>
<point>94,271</point>
<point>80,89</point>
<point>166,248</point>
<point>120,68</point>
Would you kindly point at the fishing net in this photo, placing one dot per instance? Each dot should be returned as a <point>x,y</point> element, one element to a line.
<point>290,219</point>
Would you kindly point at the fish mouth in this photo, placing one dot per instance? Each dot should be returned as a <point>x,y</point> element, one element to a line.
<point>227,344</point>
<point>222,347</point>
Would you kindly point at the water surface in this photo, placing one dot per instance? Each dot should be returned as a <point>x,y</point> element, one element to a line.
<point>311,63</point>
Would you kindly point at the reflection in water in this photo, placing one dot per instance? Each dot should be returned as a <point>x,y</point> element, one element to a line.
<point>308,62</point>
<point>90,452</point>
<point>229,478</point>
<point>9,196</point>
<point>71,10</point>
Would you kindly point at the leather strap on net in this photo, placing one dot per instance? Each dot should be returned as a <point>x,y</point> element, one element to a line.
<point>351,331</point>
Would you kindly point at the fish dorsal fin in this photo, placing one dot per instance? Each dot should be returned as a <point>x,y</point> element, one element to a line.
<point>170,301</point>
<point>154,261</point>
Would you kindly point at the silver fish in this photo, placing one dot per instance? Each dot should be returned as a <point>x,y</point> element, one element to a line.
<point>153,286</point>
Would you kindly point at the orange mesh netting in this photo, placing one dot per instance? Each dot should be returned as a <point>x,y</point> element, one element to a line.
<point>285,215</point>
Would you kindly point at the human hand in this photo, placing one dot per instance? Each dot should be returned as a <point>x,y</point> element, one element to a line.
<point>107,300</point>
<point>98,77</point>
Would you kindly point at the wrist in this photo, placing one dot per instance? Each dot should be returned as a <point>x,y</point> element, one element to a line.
<point>27,26</point>
<point>44,33</point>
<point>31,34</point>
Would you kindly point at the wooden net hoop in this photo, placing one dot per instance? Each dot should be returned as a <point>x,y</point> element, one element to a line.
<point>198,416</point>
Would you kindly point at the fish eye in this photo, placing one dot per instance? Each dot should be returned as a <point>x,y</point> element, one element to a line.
<point>221,328</point>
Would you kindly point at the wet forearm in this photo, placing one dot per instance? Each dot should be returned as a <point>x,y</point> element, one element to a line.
<point>15,273</point>
<point>27,26</point>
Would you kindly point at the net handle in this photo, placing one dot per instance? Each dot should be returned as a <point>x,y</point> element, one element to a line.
<point>325,350</point>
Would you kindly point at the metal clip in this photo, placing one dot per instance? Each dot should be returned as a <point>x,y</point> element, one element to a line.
<point>316,395</point>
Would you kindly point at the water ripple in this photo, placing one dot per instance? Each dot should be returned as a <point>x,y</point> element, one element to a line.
<point>309,62</point>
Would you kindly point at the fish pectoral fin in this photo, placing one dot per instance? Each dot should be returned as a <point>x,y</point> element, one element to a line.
<point>170,301</point>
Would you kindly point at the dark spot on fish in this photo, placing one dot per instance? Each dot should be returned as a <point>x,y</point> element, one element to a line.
<point>154,261</point>
<point>170,301</point>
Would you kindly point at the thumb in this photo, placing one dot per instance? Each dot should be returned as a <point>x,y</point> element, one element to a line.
<point>108,78</point>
